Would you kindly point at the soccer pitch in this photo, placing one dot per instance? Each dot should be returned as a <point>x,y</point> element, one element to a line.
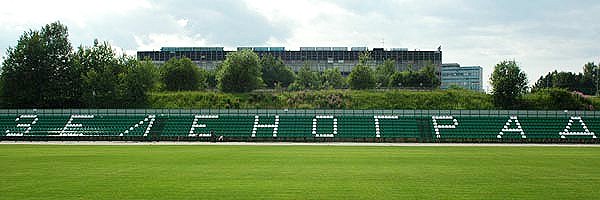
<point>297,172</point>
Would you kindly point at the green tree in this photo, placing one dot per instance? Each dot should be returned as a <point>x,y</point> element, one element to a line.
<point>429,77</point>
<point>2,98</point>
<point>544,82</point>
<point>591,78</point>
<point>426,77</point>
<point>362,76</point>
<point>306,79</point>
<point>508,84</point>
<point>211,79</point>
<point>111,81</point>
<point>401,79</point>
<point>101,88</point>
<point>567,80</point>
<point>181,74</point>
<point>241,72</point>
<point>98,68</point>
<point>274,72</point>
<point>37,71</point>
<point>585,83</point>
<point>139,79</point>
<point>384,73</point>
<point>332,79</point>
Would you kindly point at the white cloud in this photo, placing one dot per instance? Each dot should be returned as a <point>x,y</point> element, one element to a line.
<point>182,22</point>
<point>541,35</point>
<point>156,41</point>
<point>18,13</point>
<point>81,17</point>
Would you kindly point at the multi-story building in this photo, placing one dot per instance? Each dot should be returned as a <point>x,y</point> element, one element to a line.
<point>468,77</point>
<point>318,58</point>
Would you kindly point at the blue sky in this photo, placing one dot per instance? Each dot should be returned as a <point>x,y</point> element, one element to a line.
<point>542,35</point>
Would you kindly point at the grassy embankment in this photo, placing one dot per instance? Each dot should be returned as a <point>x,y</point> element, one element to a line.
<point>327,99</point>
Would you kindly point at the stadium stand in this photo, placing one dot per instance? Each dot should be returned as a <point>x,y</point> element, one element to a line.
<point>301,125</point>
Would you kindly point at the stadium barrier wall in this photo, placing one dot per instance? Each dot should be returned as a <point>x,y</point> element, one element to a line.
<point>522,126</point>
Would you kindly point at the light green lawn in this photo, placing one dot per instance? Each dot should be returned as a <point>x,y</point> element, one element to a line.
<point>297,172</point>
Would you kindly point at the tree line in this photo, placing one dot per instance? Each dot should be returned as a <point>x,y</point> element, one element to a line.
<point>586,82</point>
<point>44,71</point>
<point>244,71</point>
<point>565,90</point>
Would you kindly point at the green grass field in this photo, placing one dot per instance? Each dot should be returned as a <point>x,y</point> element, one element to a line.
<point>297,172</point>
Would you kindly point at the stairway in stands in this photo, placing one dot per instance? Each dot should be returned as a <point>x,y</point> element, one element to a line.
<point>157,128</point>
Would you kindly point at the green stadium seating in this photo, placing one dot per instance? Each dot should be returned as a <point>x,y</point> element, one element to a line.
<point>302,126</point>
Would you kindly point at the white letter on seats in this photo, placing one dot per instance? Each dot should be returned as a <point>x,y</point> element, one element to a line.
<point>586,131</point>
<point>196,125</point>
<point>257,125</point>
<point>377,129</point>
<point>150,119</point>
<point>21,125</point>
<point>69,124</point>
<point>437,126</point>
<point>505,129</point>
<point>314,127</point>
